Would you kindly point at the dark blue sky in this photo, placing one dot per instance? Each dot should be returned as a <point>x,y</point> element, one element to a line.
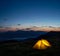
<point>30,12</point>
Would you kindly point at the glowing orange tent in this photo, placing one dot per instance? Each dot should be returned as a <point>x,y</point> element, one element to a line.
<point>42,44</point>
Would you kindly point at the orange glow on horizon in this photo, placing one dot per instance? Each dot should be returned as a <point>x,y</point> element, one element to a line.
<point>47,29</point>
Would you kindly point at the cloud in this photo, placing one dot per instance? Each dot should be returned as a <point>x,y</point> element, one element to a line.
<point>1,26</point>
<point>18,24</point>
<point>45,28</point>
<point>5,19</point>
<point>4,29</point>
<point>34,28</point>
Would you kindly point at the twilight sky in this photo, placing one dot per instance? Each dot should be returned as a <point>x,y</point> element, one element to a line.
<point>26,13</point>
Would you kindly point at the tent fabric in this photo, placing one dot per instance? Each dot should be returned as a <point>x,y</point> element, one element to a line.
<point>42,44</point>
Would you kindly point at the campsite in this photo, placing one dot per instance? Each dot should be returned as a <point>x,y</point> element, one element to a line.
<point>30,47</point>
<point>29,27</point>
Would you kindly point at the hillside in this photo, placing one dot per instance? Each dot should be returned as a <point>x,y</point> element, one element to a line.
<point>16,48</point>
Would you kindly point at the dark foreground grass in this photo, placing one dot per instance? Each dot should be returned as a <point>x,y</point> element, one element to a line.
<point>23,49</point>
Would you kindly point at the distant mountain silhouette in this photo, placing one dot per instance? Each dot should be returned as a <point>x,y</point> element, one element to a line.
<point>51,34</point>
<point>20,34</point>
<point>53,37</point>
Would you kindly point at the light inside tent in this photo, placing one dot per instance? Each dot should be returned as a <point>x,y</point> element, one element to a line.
<point>42,44</point>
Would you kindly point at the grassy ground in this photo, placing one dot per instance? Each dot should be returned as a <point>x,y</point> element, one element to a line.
<point>25,49</point>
